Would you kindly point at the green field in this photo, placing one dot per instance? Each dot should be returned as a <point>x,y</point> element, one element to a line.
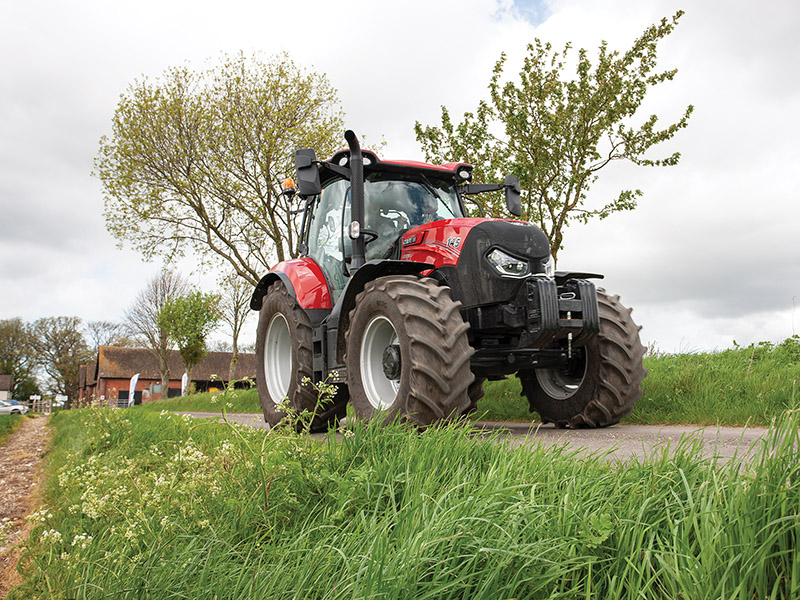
<point>147,505</point>
<point>741,386</point>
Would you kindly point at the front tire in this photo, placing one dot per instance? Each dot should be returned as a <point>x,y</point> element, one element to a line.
<point>602,380</point>
<point>407,352</point>
<point>284,360</point>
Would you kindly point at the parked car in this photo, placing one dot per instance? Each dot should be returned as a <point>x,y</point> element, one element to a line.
<point>7,408</point>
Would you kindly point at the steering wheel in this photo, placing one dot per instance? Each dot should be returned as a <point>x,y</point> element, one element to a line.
<point>369,235</point>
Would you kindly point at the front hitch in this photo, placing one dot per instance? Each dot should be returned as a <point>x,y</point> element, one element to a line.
<point>560,311</point>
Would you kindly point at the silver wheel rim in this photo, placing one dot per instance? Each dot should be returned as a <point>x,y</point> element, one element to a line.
<point>379,389</point>
<point>559,384</point>
<point>278,358</point>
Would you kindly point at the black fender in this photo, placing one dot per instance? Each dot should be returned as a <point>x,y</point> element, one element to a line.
<point>340,315</point>
<point>266,281</point>
<point>562,277</point>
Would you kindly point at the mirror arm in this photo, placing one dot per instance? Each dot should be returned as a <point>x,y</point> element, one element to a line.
<point>471,189</point>
<point>338,169</point>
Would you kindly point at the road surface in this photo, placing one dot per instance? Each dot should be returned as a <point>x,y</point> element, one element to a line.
<point>619,441</point>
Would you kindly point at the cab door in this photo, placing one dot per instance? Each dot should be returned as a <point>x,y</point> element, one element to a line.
<point>325,236</point>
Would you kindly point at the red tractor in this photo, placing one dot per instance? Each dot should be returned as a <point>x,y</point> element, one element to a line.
<point>409,306</point>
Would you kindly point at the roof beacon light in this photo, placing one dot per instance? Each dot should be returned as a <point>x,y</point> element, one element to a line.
<point>288,187</point>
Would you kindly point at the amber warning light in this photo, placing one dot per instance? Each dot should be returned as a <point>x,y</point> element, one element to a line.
<point>288,187</point>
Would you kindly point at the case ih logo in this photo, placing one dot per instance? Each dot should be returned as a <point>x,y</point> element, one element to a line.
<point>453,242</point>
<point>409,241</point>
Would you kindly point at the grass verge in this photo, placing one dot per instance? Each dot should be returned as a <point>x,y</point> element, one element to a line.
<point>234,401</point>
<point>9,424</point>
<point>150,505</point>
<point>741,386</point>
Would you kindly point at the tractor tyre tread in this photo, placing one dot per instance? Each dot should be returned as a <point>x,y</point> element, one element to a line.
<point>302,396</point>
<point>612,383</point>
<point>436,353</point>
<point>475,393</point>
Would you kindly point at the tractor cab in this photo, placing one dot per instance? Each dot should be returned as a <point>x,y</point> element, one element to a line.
<point>395,202</point>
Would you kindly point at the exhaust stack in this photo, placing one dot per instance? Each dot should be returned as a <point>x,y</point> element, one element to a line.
<point>356,200</point>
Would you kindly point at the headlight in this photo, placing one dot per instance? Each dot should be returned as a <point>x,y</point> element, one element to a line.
<point>506,265</point>
<point>549,266</point>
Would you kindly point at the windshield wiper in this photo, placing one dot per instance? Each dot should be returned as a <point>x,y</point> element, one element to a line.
<point>429,186</point>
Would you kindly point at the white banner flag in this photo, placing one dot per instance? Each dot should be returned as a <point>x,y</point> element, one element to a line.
<point>132,393</point>
<point>184,381</point>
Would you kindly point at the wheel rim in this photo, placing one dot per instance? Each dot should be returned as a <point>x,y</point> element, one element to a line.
<point>562,383</point>
<point>379,389</point>
<point>278,358</point>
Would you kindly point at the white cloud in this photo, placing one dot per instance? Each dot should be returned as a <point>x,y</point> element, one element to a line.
<point>710,256</point>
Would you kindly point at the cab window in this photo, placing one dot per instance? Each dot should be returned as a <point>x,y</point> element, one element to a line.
<point>325,235</point>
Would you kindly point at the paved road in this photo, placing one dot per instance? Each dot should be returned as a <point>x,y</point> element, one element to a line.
<point>619,441</point>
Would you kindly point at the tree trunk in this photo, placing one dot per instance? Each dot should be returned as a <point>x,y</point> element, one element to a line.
<point>164,368</point>
<point>234,361</point>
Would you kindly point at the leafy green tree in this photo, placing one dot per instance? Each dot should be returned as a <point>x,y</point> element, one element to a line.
<point>188,320</point>
<point>197,159</point>
<point>17,359</point>
<point>59,349</point>
<point>557,132</point>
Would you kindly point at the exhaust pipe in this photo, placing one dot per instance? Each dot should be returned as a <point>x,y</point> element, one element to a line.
<point>356,200</point>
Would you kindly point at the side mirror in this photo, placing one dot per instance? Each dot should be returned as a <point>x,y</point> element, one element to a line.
<point>307,172</point>
<point>513,192</point>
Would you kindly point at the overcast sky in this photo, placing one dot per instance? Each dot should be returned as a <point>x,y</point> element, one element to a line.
<point>710,256</point>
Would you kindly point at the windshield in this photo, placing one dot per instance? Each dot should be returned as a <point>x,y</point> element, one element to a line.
<point>393,203</point>
<point>412,199</point>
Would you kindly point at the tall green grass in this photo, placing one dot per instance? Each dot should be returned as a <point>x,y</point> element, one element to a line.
<point>148,505</point>
<point>8,424</point>
<point>733,387</point>
<point>740,386</point>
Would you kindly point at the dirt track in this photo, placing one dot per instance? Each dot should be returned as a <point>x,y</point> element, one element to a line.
<point>619,441</point>
<point>21,456</point>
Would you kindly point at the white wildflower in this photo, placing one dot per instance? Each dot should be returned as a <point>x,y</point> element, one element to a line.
<point>82,540</point>
<point>52,534</point>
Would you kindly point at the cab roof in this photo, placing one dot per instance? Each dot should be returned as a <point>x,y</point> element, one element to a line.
<point>373,163</point>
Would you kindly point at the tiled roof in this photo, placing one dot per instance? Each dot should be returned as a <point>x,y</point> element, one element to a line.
<point>115,362</point>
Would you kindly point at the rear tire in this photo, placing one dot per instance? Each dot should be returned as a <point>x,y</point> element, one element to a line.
<point>602,381</point>
<point>475,393</point>
<point>407,352</point>
<point>284,360</point>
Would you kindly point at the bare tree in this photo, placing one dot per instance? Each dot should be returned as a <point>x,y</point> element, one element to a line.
<point>234,308</point>
<point>107,333</point>
<point>142,317</point>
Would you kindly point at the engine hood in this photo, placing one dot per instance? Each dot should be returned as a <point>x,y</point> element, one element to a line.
<point>473,280</point>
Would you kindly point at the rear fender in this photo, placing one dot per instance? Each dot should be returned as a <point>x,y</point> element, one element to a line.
<point>303,280</point>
